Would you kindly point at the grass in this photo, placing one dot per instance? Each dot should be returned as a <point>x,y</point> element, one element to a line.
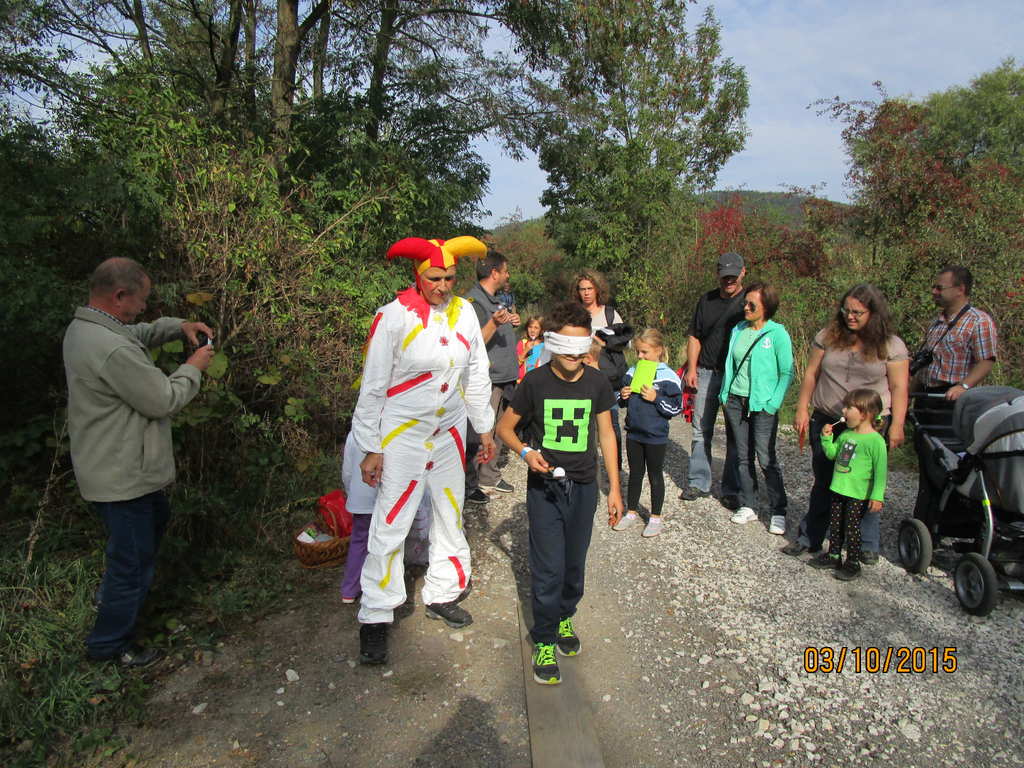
<point>225,556</point>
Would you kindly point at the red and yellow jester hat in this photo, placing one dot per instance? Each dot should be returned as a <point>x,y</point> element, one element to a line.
<point>436,253</point>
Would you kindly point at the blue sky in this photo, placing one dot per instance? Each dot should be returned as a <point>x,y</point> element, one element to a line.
<point>798,51</point>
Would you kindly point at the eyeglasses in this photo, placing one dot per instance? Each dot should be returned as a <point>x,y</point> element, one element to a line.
<point>941,288</point>
<point>854,313</point>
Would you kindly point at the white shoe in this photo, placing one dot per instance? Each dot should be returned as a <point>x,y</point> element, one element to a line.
<point>624,523</point>
<point>778,525</point>
<point>743,515</point>
<point>653,527</point>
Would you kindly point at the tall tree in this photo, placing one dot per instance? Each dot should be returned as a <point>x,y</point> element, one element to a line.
<point>646,111</point>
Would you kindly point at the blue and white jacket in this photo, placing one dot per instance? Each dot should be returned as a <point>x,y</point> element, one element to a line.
<point>647,422</point>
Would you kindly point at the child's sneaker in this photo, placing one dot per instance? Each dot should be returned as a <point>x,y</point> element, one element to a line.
<point>778,525</point>
<point>743,515</point>
<point>545,666</point>
<point>848,572</point>
<point>826,560</point>
<point>653,527</point>
<point>568,641</point>
<point>626,521</point>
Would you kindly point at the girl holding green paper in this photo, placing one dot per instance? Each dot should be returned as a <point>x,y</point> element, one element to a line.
<point>652,395</point>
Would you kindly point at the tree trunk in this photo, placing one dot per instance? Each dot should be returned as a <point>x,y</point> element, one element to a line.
<point>225,67</point>
<point>323,36</point>
<point>139,18</point>
<point>249,95</point>
<point>287,47</point>
<point>385,36</point>
<point>286,57</point>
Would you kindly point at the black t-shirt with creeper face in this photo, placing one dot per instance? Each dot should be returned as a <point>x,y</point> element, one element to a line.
<point>561,418</point>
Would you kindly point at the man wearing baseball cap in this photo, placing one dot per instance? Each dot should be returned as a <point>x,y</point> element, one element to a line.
<point>717,312</point>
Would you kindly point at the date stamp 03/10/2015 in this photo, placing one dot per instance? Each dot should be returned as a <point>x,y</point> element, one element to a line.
<point>905,660</point>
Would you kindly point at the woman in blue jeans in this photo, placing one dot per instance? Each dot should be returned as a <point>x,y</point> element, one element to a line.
<point>857,350</point>
<point>758,370</point>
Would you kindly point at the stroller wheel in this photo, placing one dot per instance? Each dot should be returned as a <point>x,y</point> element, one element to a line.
<point>915,545</point>
<point>976,584</point>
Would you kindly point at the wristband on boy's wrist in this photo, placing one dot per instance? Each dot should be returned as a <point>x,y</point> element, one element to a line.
<point>526,450</point>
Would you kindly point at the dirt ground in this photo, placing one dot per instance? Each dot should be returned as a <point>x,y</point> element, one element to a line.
<point>693,655</point>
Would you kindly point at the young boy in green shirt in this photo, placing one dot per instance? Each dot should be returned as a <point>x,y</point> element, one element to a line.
<point>858,480</point>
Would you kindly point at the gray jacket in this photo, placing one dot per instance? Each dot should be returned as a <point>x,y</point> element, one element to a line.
<point>120,405</point>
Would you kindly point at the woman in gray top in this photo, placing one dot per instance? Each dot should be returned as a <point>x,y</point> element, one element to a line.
<point>856,350</point>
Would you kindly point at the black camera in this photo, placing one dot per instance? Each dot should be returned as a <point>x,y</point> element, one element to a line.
<point>921,360</point>
<point>202,340</point>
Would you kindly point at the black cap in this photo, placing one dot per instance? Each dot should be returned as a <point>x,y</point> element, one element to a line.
<point>730,265</point>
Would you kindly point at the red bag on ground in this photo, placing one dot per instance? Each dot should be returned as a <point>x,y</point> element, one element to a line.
<point>335,514</point>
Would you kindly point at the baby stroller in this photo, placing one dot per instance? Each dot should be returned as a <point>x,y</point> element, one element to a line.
<point>971,489</point>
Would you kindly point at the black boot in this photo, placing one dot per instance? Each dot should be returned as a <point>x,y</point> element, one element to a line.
<point>454,616</point>
<point>373,643</point>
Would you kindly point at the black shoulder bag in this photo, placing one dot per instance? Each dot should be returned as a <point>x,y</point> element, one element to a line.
<point>924,356</point>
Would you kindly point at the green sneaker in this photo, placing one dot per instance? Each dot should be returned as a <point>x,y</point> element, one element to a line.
<point>568,642</point>
<point>545,667</point>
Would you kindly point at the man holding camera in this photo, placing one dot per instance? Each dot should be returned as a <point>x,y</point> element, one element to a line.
<point>119,421</point>
<point>961,342</point>
<point>497,325</point>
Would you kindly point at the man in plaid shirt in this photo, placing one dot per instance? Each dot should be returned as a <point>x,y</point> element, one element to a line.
<point>965,354</point>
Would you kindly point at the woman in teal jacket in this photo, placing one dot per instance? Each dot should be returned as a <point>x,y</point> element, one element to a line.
<point>758,370</point>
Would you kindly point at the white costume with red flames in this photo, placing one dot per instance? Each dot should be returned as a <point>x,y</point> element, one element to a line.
<point>425,373</point>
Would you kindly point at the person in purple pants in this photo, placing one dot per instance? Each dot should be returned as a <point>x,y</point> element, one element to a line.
<point>359,500</point>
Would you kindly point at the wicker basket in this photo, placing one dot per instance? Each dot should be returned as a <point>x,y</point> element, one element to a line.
<point>320,554</point>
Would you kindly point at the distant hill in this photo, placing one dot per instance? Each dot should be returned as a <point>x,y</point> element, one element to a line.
<point>785,207</point>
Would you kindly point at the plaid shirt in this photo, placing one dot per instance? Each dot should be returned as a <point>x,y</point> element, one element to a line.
<point>970,341</point>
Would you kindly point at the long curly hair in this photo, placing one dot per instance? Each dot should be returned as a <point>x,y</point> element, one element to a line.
<point>876,332</point>
<point>599,281</point>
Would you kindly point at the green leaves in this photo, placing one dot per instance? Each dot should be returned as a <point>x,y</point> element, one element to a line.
<point>218,366</point>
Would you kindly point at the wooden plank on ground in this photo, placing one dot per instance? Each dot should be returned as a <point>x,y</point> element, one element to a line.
<point>562,733</point>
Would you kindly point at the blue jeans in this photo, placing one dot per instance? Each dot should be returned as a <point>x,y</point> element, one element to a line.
<point>134,531</point>
<point>705,410</point>
<point>757,429</point>
<point>815,524</point>
<point>561,521</point>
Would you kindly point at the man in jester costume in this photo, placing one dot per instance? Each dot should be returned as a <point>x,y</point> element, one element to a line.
<point>425,373</point>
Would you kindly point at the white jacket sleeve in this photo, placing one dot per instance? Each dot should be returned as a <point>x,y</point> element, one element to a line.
<point>477,383</point>
<point>373,390</point>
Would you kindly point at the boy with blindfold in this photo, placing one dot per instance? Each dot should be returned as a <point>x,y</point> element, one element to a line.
<point>564,406</point>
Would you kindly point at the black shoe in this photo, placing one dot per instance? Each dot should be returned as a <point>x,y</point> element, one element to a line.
<point>454,616</point>
<point>476,496</point>
<point>730,502</point>
<point>545,665</point>
<point>134,656</point>
<point>794,549</point>
<point>568,642</point>
<point>825,560</point>
<point>500,487</point>
<point>869,558</point>
<point>848,572</point>
<point>373,643</point>
<point>692,494</point>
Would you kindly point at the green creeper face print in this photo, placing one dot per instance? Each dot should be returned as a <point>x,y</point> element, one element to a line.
<point>566,425</point>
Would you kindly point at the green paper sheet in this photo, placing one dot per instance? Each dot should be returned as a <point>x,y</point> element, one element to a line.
<point>643,376</point>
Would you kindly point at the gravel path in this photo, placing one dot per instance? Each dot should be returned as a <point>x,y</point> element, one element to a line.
<point>694,650</point>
